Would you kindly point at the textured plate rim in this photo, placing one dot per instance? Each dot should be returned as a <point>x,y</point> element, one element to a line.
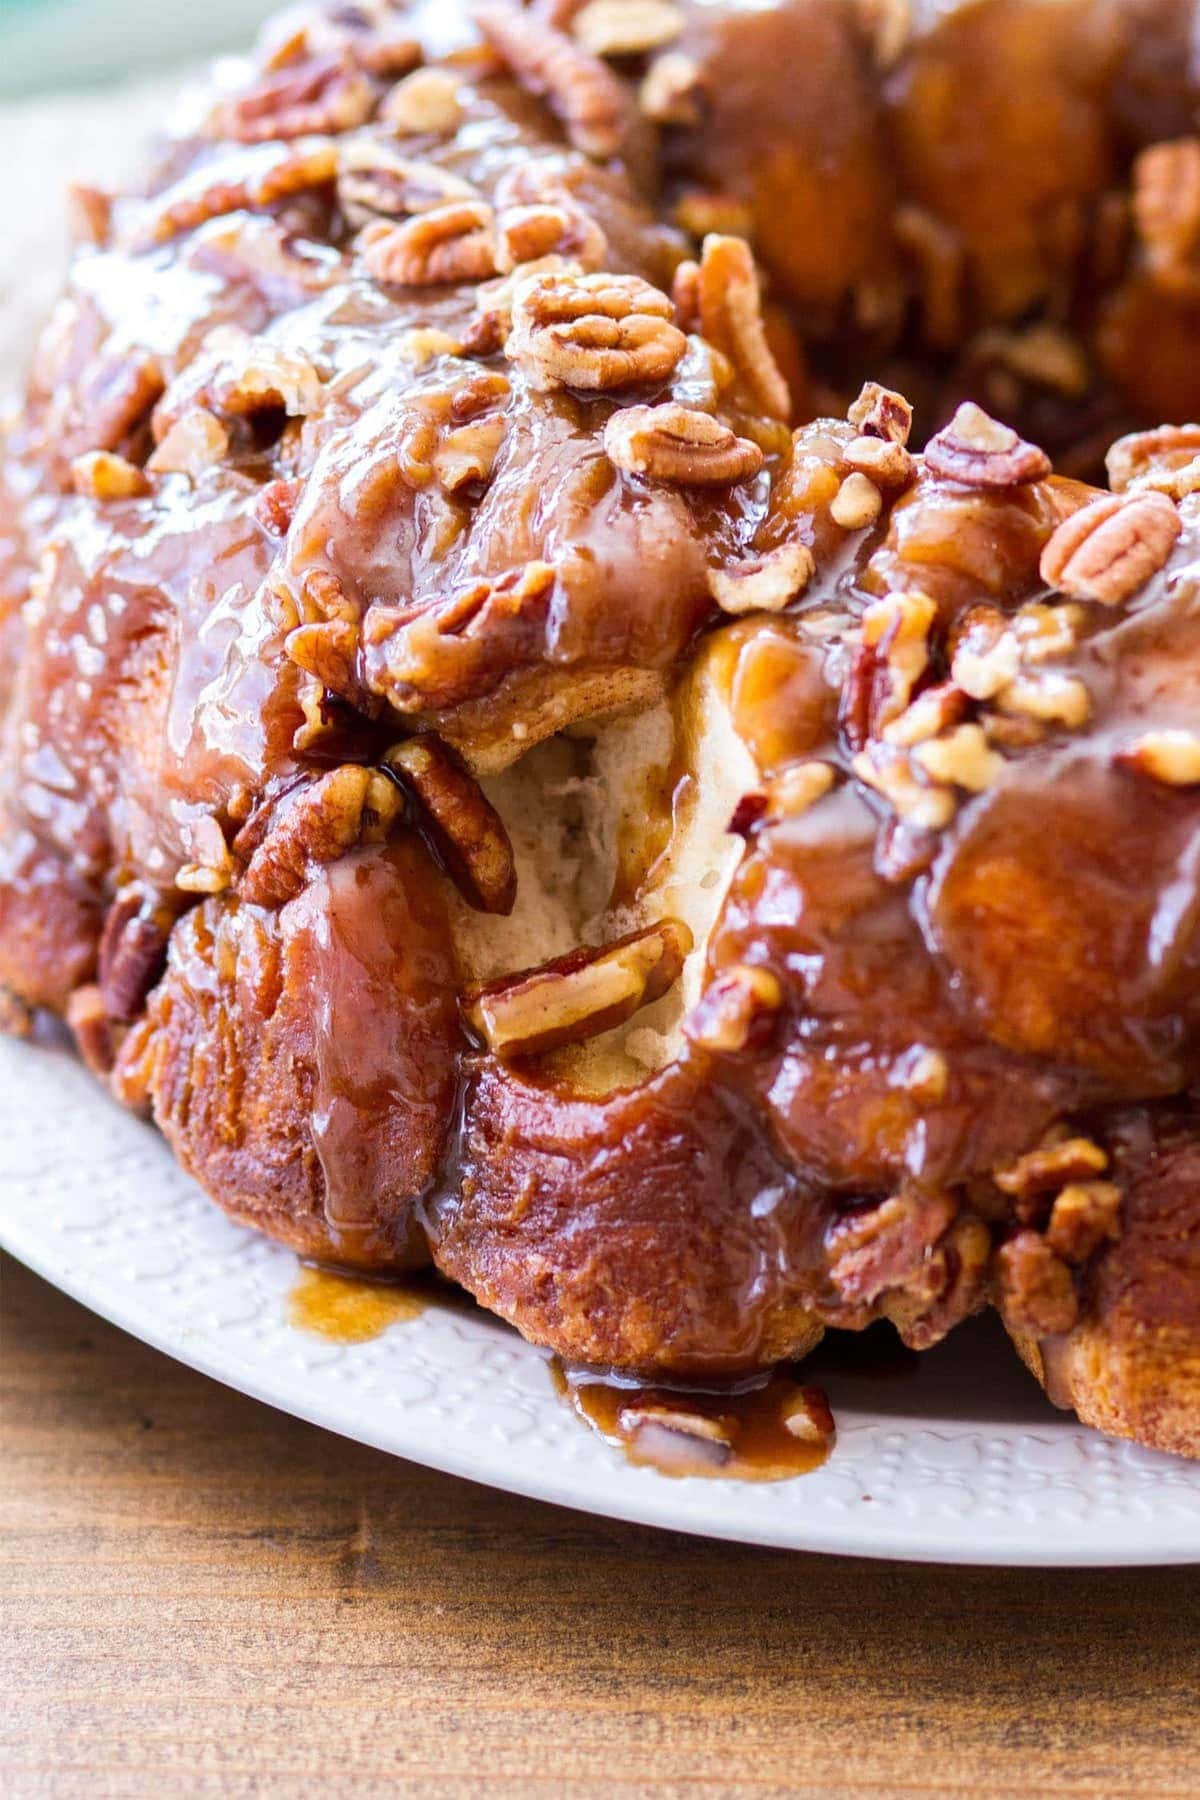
<point>634,1496</point>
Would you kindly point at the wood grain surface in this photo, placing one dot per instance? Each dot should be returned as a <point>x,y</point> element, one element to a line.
<point>202,1596</point>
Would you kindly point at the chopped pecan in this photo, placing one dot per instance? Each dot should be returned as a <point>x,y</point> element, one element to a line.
<point>466,457</point>
<point>736,1010</point>
<point>92,1029</point>
<point>327,94</point>
<point>891,772</point>
<point>1048,697</point>
<point>889,25</point>
<point>375,181</point>
<point>701,211</point>
<point>806,1415</point>
<point>1166,209</point>
<point>679,445</point>
<point>1145,453</point>
<point>580,995</point>
<point>730,306</point>
<point>857,503</point>
<point>979,451</point>
<point>466,832</point>
<point>526,234</point>
<point>211,869</point>
<point>887,463</point>
<point>882,413</point>
<point>671,92</point>
<point>1035,1288</point>
<point>893,656</point>
<point>790,793</point>
<point>1110,548</point>
<point>579,89</point>
<point>707,1441</point>
<point>1057,1162</point>
<point>237,376</point>
<point>962,758</point>
<point>938,709</point>
<point>1085,1215</point>
<point>626,27</point>
<point>195,442</point>
<point>766,583</point>
<point>101,475</point>
<point>91,212</point>
<point>1169,756</point>
<point>449,244</point>
<point>275,506</point>
<point>425,104</point>
<point>593,332</point>
<point>316,823</point>
<point>950,1287</point>
<point>885,1247</point>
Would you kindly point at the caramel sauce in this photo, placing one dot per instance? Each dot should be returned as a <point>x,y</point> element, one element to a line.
<point>750,1437</point>
<point>349,1309</point>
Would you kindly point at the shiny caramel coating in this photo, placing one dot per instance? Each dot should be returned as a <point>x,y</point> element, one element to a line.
<point>398,425</point>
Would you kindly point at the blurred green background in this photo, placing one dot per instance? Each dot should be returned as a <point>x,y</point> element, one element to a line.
<point>77,43</point>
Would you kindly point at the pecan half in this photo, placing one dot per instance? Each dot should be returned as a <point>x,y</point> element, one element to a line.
<point>729,301</point>
<point>446,245</point>
<point>1110,548</point>
<point>766,583</point>
<point>1140,454</point>
<point>626,27</point>
<point>239,181</point>
<point>466,832</point>
<point>580,89</point>
<point>678,1433</point>
<point>316,823</point>
<point>679,445</point>
<point>132,953</point>
<point>580,995</point>
<point>375,181</point>
<point>593,332</point>
<point>979,451</point>
<point>525,234</point>
<point>327,94</point>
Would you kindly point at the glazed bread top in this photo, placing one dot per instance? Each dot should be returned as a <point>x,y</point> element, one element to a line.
<point>499,780</point>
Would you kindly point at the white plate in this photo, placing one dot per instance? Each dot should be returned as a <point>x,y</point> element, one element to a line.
<point>961,1462</point>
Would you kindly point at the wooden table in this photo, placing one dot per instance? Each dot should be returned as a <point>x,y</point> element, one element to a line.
<point>202,1596</point>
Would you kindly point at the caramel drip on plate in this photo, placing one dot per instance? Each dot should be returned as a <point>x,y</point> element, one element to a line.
<point>348,1309</point>
<point>770,1432</point>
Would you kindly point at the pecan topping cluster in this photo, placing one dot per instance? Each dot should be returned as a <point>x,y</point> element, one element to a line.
<point>594,332</point>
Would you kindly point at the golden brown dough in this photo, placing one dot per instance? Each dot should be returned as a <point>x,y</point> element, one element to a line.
<point>502,783</point>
